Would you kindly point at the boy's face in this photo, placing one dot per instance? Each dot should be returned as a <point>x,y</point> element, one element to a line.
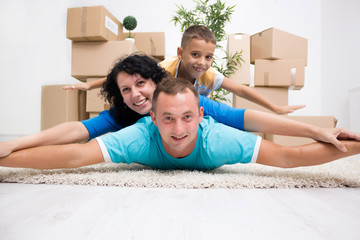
<point>196,58</point>
<point>177,117</point>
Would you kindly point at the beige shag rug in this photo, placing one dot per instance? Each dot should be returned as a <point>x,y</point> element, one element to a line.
<point>341,173</point>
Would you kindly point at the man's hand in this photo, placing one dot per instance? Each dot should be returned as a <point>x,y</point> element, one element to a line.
<point>333,135</point>
<point>78,86</point>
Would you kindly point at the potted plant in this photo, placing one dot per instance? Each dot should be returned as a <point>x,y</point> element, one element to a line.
<point>129,24</point>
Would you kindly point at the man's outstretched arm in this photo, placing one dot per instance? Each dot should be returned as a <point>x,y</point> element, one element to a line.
<point>75,132</point>
<point>54,157</point>
<point>305,155</point>
<point>258,121</point>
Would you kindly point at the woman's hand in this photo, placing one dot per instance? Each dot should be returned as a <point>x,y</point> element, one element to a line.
<point>287,109</point>
<point>78,86</point>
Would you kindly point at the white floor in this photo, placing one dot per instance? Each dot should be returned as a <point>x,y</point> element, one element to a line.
<point>85,212</point>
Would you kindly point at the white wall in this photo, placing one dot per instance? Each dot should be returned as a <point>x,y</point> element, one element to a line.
<point>340,57</point>
<point>34,50</point>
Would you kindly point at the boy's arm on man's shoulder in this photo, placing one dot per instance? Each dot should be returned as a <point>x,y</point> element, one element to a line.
<point>253,96</point>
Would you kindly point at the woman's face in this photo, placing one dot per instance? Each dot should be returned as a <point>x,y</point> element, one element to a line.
<point>136,91</point>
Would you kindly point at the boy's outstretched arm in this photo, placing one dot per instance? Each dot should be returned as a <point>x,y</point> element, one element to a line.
<point>251,95</point>
<point>54,157</point>
<point>86,86</point>
<point>64,133</point>
<point>258,121</point>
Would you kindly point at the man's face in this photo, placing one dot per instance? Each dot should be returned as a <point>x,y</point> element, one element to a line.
<point>177,117</point>
<point>136,91</point>
<point>196,58</point>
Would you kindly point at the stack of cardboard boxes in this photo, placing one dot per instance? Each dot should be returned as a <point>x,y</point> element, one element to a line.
<point>279,60</point>
<point>98,41</point>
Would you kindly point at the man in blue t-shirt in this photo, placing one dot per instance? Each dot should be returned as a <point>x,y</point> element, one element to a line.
<point>178,137</point>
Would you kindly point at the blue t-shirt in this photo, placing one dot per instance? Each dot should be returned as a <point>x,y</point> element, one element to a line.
<point>234,117</point>
<point>217,145</point>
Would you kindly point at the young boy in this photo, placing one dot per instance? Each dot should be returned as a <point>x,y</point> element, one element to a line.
<point>177,136</point>
<point>193,63</point>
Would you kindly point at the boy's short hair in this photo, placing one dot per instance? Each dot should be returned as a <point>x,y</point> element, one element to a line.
<point>173,86</point>
<point>197,32</point>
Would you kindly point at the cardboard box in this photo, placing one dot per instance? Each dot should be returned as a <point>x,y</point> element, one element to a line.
<point>58,105</point>
<point>319,121</point>
<point>279,73</point>
<point>150,43</point>
<point>273,43</point>
<point>96,59</point>
<point>92,24</point>
<point>93,114</point>
<point>94,100</point>
<point>277,95</point>
<point>240,43</point>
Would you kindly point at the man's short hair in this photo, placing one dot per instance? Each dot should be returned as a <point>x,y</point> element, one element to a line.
<point>173,86</point>
<point>197,32</point>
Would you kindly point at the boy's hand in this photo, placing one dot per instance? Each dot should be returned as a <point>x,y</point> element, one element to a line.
<point>78,86</point>
<point>287,109</point>
<point>333,135</point>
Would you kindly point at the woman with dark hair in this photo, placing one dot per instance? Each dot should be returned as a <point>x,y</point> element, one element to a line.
<point>129,89</point>
<point>145,70</point>
<point>135,64</point>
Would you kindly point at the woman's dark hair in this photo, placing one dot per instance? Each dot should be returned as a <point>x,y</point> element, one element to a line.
<point>140,64</point>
